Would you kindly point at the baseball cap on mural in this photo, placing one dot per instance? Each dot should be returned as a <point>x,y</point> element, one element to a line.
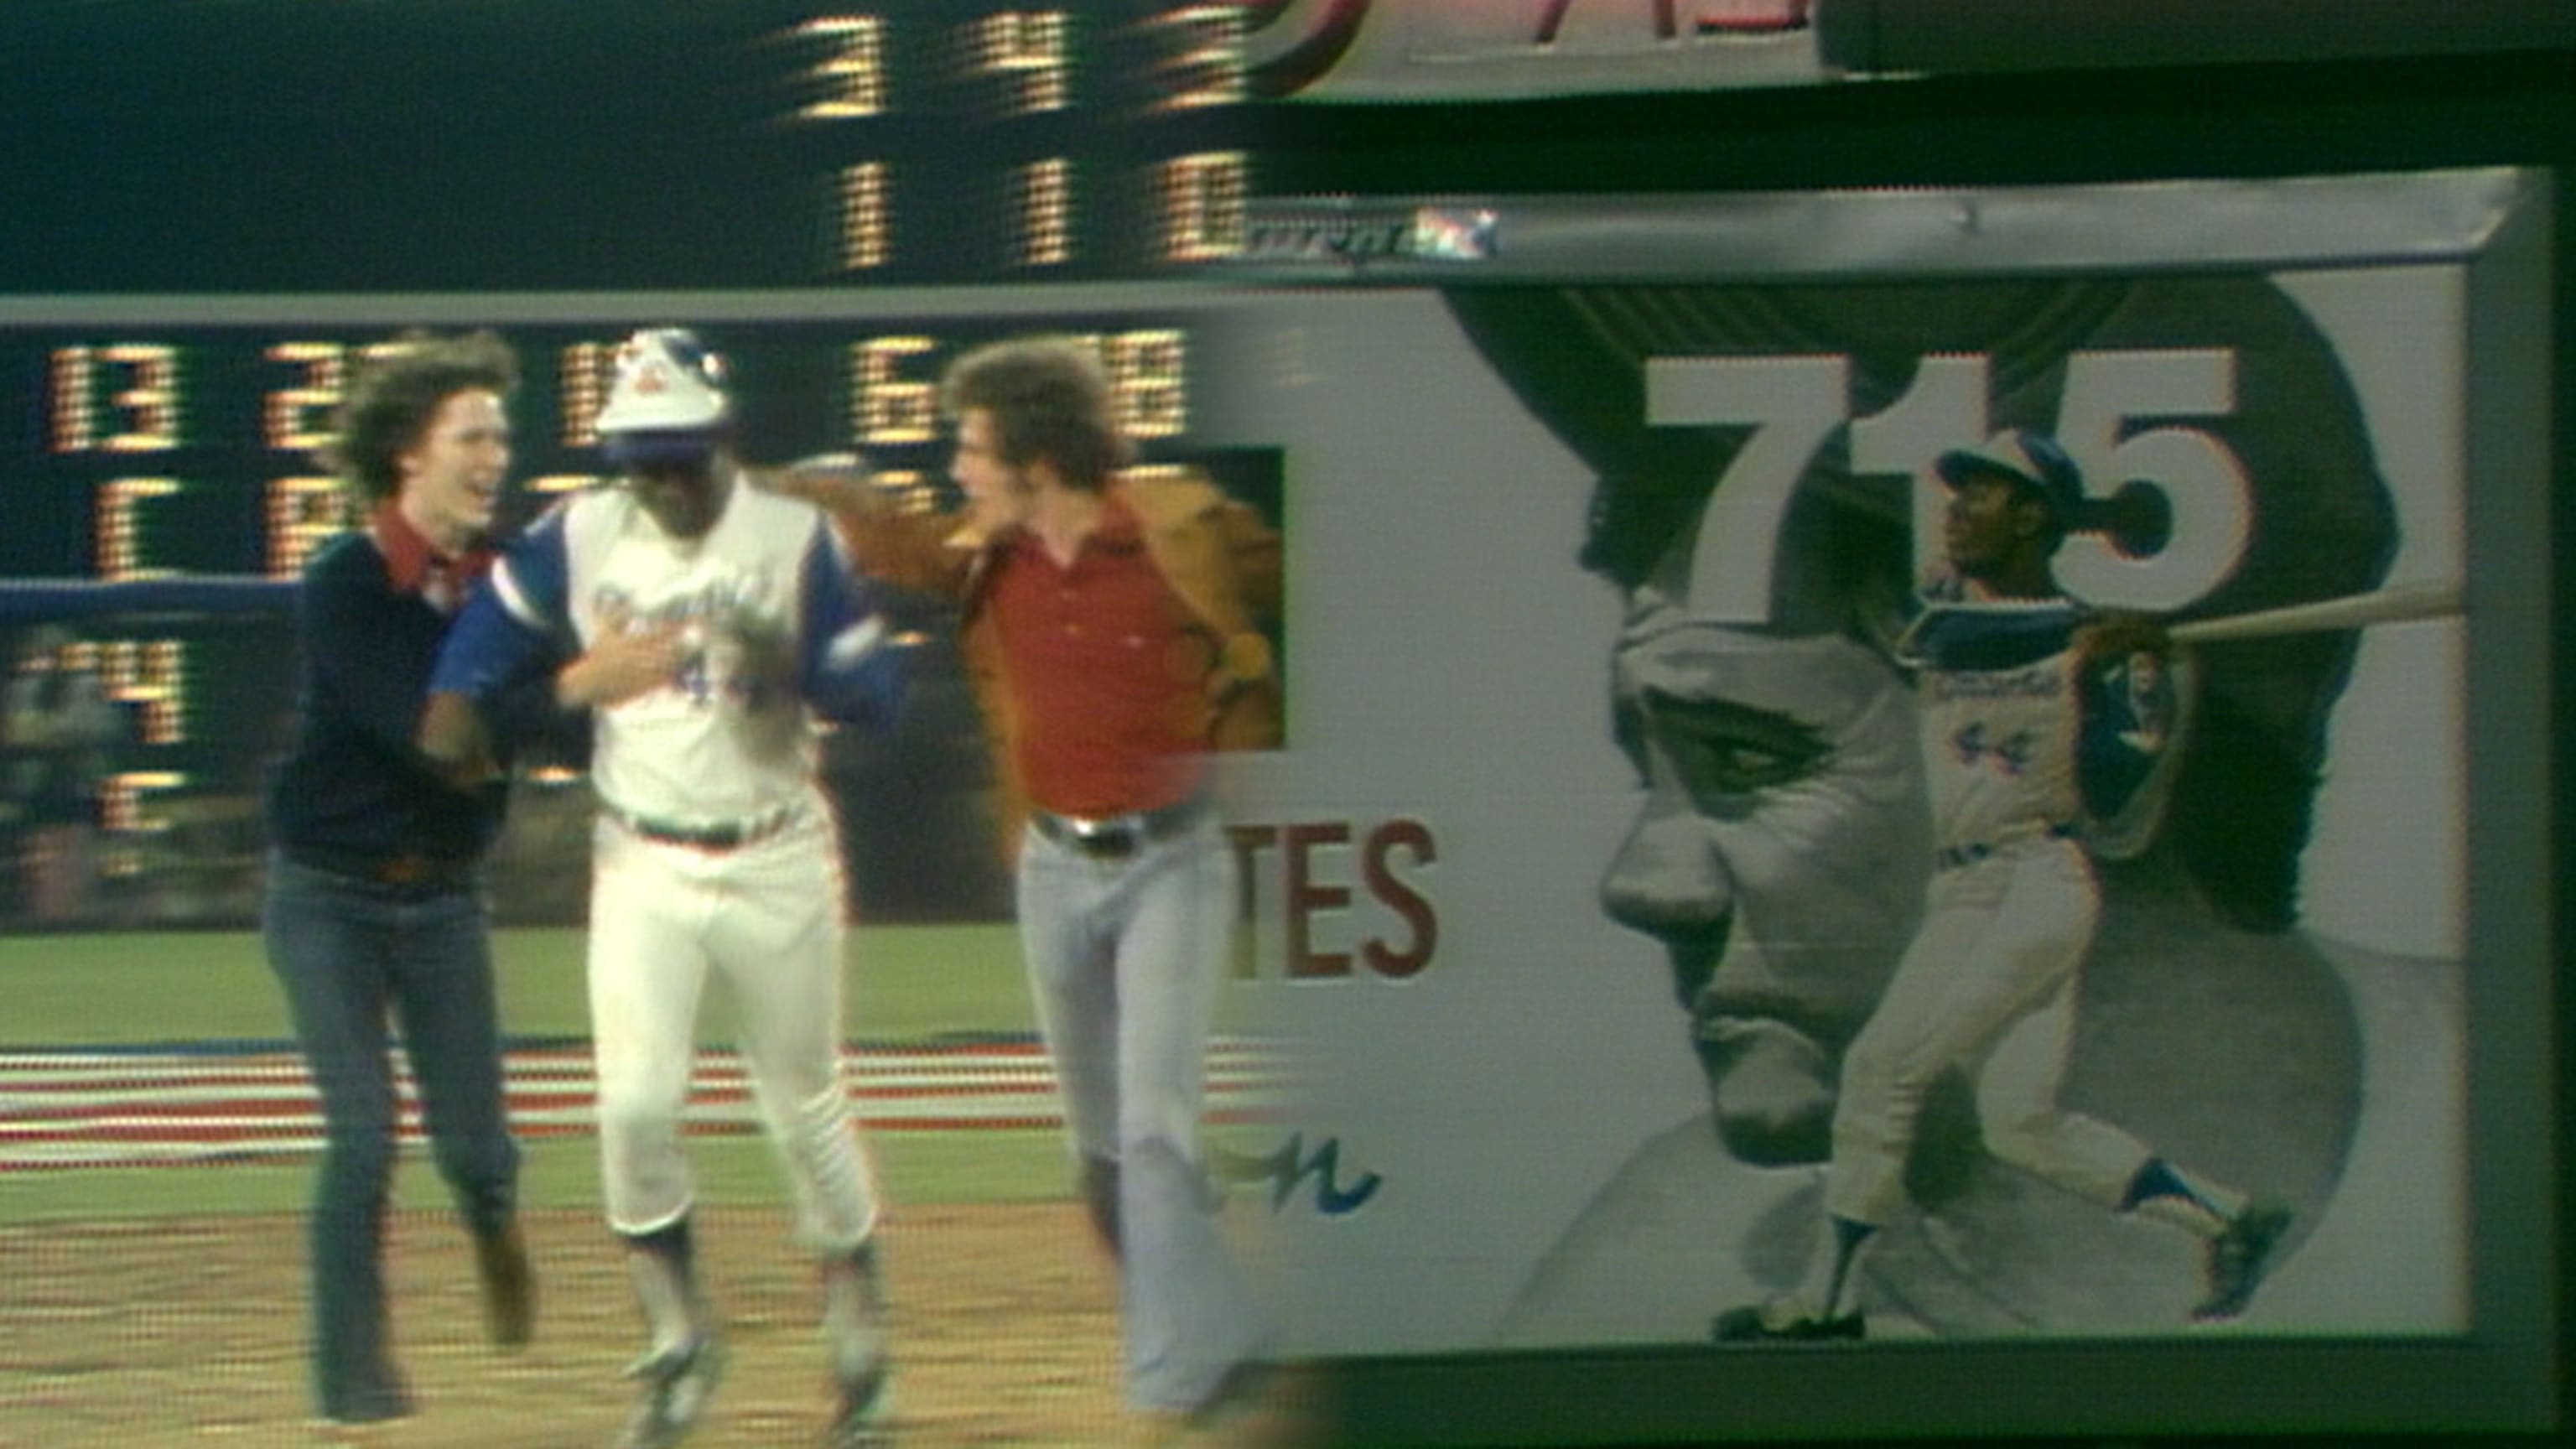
<point>2029,458</point>
<point>666,400</point>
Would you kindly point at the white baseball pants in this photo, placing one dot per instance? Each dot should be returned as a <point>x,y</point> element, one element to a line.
<point>1988,985</point>
<point>766,917</point>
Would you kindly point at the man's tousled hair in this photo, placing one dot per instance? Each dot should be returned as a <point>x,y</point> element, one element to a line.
<point>397,393</point>
<point>1050,399</point>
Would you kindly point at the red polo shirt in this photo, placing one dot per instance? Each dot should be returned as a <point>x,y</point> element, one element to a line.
<point>1106,672</point>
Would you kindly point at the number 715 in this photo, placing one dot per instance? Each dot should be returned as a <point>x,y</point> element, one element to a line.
<point>1793,404</point>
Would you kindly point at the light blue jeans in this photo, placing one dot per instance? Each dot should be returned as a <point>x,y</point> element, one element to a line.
<point>1124,959</point>
<point>354,958</point>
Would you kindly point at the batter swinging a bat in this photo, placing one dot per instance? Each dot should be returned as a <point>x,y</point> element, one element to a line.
<point>2040,718</point>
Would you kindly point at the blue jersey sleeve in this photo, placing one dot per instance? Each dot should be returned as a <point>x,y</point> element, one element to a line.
<point>515,624</point>
<point>849,668</point>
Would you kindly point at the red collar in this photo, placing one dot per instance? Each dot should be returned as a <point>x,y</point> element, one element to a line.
<point>1116,530</point>
<point>414,565</point>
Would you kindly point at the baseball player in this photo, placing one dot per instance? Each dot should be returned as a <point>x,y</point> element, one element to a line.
<point>712,623</point>
<point>2036,715</point>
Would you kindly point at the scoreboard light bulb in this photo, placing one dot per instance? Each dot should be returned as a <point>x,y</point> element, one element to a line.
<point>852,75</point>
<point>1027,47</point>
<point>1208,66</point>
<point>298,419</point>
<point>887,406</point>
<point>302,512</point>
<point>151,405</point>
<point>120,526</point>
<point>1202,200</point>
<point>867,217</point>
<point>1046,213</point>
<point>121,796</point>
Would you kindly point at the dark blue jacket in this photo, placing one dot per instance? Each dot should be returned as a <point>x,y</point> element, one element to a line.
<point>352,789</point>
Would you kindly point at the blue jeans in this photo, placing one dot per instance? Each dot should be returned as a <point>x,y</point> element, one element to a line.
<point>1124,959</point>
<point>356,958</point>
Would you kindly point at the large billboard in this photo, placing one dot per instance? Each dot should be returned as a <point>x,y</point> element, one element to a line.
<point>1619,867</point>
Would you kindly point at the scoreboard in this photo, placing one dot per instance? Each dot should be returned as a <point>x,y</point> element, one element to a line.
<point>564,143</point>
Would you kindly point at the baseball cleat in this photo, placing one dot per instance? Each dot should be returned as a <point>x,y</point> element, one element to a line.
<point>2238,1259</point>
<point>677,1384</point>
<point>863,1369</point>
<point>1783,1321</point>
<point>509,1286</point>
<point>863,1416</point>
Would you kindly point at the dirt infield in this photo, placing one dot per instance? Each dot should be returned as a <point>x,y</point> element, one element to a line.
<point>134,1334</point>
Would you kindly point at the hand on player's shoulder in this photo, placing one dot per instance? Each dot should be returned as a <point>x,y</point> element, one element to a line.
<point>834,482</point>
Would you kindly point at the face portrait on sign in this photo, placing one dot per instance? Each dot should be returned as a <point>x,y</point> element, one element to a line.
<point>1781,848</point>
<point>1764,508</point>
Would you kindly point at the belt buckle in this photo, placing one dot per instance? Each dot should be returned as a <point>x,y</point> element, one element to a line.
<point>1113,839</point>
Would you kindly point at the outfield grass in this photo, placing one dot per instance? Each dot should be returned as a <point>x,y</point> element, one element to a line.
<point>907,984</point>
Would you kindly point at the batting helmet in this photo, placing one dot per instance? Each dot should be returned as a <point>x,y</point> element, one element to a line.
<point>667,400</point>
<point>2024,456</point>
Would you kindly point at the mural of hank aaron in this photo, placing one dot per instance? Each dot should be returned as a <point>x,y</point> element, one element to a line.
<point>1783,845</point>
<point>2038,716</point>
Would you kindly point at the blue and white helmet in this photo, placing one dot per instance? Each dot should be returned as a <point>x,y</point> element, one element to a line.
<point>666,399</point>
<point>2027,457</point>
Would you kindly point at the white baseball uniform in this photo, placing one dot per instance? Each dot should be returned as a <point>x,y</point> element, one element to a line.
<point>2020,749</point>
<point>715,849</point>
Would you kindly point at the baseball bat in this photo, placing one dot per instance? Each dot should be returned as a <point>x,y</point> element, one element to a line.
<point>2351,611</point>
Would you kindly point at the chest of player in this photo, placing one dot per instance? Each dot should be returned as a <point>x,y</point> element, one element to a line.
<point>624,574</point>
<point>2018,722</point>
<point>704,597</point>
<point>729,598</point>
<point>1996,692</point>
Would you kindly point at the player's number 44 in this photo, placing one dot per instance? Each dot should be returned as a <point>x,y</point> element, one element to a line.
<point>1792,404</point>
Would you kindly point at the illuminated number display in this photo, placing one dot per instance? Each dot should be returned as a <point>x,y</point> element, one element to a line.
<point>1024,141</point>
<point>747,143</point>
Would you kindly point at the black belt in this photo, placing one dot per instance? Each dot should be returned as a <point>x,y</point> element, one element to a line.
<point>1116,837</point>
<point>409,871</point>
<point>721,835</point>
